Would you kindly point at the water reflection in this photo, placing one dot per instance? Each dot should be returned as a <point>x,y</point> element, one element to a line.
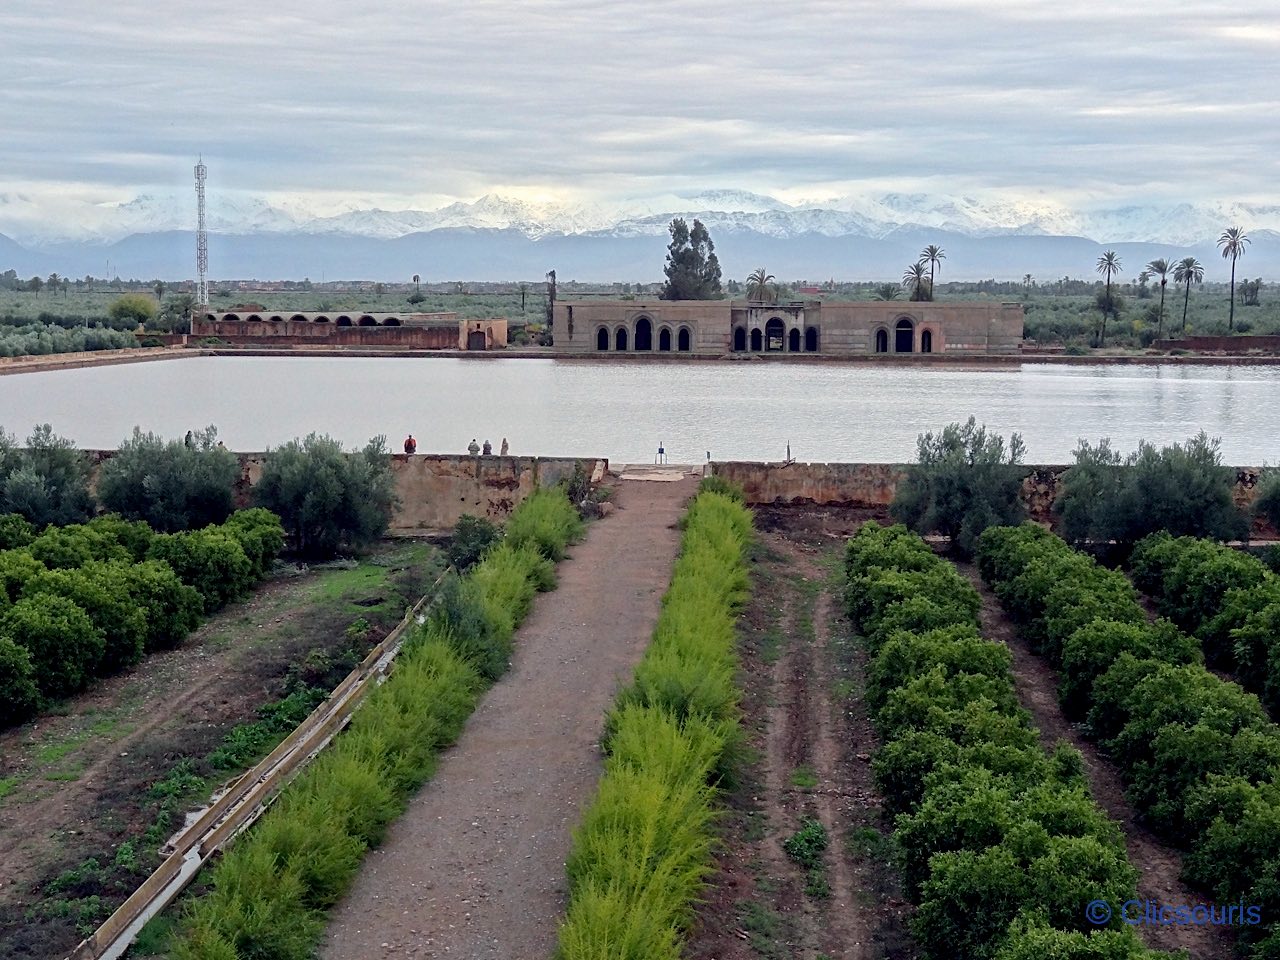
<point>738,410</point>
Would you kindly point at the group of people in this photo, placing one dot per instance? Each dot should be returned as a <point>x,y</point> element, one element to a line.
<point>476,450</point>
<point>411,447</point>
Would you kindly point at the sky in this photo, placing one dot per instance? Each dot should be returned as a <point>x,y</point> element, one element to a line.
<point>398,104</point>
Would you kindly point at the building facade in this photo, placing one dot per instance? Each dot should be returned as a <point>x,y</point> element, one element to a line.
<point>413,331</point>
<point>826,328</point>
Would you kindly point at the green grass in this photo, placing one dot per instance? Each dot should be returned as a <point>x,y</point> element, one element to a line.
<point>53,752</point>
<point>766,930</point>
<point>8,785</point>
<point>804,778</point>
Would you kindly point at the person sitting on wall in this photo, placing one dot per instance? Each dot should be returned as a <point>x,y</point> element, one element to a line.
<point>473,448</point>
<point>488,449</point>
<point>410,445</point>
<point>502,451</point>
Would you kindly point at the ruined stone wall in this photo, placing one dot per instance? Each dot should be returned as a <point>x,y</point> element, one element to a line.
<point>872,485</point>
<point>435,490</point>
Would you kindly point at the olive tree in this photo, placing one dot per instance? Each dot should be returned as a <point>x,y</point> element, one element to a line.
<point>170,484</point>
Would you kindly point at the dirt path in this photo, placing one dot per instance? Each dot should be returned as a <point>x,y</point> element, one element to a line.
<point>814,742</point>
<point>475,867</point>
<point>1158,864</point>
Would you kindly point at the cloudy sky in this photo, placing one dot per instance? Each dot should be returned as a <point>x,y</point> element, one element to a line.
<point>411,103</point>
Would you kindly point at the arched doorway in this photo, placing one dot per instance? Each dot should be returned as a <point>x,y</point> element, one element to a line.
<point>740,338</point>
<point>903,336</point>
<point>276,319</point>
<point>476,340</point>
<point>926,341</point>
<point>326,320</point>
<point>298,318</point>
<point>757,340</point>
<point>365,321</point>
<point>683,341</point>
<point>644,334</point>
<point>882,340</point>
<point>793,341</point>
<point>620,340</point>
<point>774,333</point>
<point>231,316</point>
<point>253,318</point>
<point>664,340</point>
<point>344,321</point>
<point>811,340</point>
<point>602,339</point>
<point>391,322</point>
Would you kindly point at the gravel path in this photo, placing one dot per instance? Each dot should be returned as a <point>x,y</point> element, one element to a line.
<point>475,867</point>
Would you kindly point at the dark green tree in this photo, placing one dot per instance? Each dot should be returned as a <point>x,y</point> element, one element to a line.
<point>693,270</point>
<point>170,485</point>
<point>1188,271</point>
<point>47,481</point>
<point>916,280</point>
<point>1108,265</point>
<point>933,255</point>
<point>1232,243</point>
<point>1160,268</point>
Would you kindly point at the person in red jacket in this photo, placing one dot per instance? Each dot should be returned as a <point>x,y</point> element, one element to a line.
<point>410,445</point>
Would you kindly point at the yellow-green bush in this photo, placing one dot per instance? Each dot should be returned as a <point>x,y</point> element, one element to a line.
<point>547,520</point>
<point>643,850</point>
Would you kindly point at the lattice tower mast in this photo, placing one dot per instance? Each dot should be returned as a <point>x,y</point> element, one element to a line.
<point>202,239</point>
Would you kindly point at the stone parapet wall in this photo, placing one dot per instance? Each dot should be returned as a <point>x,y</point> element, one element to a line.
<point>435,490</point>
<point>873,485</point>
<point>1259,344</point>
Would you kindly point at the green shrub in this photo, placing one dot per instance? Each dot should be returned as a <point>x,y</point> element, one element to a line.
<point>1195,585</point>
<point>18,694</point>
<point>726,488</point>
<point>120,620</point>
<point>135,536</point>
<point>15,531</point>
<point>547,520</point>
<point>169,484</point>
<point>16,568</point>
<point>327,499</point>
<point>472,536</point>
<point>956,649</point>
<point>1034,939</point>
<point>75,545</point>
<point>1091,650</point>
<point>260,534</point>
<point>46,481</point>
<point>172,608</point>
<point>964,480</point>
<point>1183,489</point>
<point>61,640</point>
<point>209,560</point>
<point>1267,503</point>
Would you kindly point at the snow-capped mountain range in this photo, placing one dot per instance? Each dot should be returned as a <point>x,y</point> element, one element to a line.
<point>871,216</point>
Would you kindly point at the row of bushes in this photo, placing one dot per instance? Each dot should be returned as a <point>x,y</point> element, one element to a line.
<point>1001,845</point>
<point>1229,600</point>
<point>40,339</point>
<point>1199,753</point>
<point>269,891</point>
<point>88,600</point>
<point>642,852</point>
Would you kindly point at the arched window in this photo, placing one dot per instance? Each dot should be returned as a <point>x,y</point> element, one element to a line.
<point>253,317</point>
<point>757,340</point>
<point>926,341</point>
<point>739,338</point>
<point>684,342</point>
<point>644,334</point>
<point>903,337</point>
<point>365,321</point>
<point>793,341</point>
<point>323,319</point>
<point>664,340</point>
<point>882,340</point>
<point>774,333</point>
<point>391,322</point>
<point>602,339</point>
<point>811,340</point>
<point>344,321</point>
<point>298,318</point>
<point>231,316</point>
<point>275,318</point>
<point>620,341</point>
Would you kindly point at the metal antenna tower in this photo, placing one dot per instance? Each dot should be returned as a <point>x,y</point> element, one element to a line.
<point>202,239</point>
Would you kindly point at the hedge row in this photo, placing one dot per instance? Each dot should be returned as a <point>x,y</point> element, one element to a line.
<point>1228,599</point>
<point>88,600</point>
<point>1199,753</point>
<point>1002,847</point>
<point>642,852</point>
<point>269,892</point>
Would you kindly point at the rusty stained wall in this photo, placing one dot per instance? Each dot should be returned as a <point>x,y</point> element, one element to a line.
<point>435,490</point>
<point>874,484</point>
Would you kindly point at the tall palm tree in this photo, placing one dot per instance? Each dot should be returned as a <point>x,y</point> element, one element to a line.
<point>1160,268</point>
<point>1232,244</point>
<point>1187,271</point>
<point>1027,281</point>
<point>760,286</point>
<point>416,278</point>
<point>915,278</point>
<point>932,255</point>
<point>1108,266</point>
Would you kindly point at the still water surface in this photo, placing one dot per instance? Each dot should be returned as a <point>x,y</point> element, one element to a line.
<point>747,411</point>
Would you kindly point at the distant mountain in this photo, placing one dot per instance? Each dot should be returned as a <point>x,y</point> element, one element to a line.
<point>469,253</point>
<point>496,237</point>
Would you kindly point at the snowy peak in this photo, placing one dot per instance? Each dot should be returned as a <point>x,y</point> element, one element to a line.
<point>874,216</point>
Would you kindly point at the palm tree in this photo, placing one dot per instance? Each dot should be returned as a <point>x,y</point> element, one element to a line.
<point>159,287</point>
<point>931,255</point>
<point>887,291</point>
<point>1232,243</point>
<point>760,286</point>
<point>914,277</point>
<point>1027,281</point>
<point>1187,271</point>
<point>1108,266</point>
<point>1160,268</point>
<point>416,278</point>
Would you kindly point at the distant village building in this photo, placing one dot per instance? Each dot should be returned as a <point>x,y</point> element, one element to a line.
<point>413,331</point>
<point>828,328</point>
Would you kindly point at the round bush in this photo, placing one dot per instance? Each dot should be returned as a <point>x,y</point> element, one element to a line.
<point>61,640</point>
<point>16,568</point>
<point>15,531</point>
<point>209,560</point>
<point>113,612</point>
<point>18,694</point>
